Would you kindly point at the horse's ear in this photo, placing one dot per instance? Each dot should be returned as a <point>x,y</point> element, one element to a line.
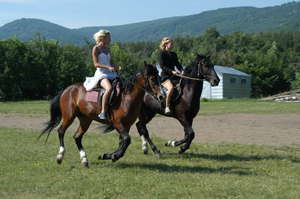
<point>200,56</point>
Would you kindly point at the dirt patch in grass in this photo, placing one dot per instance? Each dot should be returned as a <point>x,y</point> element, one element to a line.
<point>261,129</point>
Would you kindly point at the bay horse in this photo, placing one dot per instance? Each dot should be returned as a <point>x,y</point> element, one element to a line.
<point>184,109</point>
<point>71,103</point>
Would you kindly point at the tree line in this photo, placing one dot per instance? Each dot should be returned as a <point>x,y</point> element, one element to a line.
<point>39,68</point>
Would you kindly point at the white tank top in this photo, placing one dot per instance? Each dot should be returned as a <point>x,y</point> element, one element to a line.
<point>104,58</point>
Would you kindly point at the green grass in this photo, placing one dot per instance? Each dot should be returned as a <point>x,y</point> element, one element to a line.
<point>207,107</point>
<point>25,107</point>
<point>253,106</point>
<point>28,170</point>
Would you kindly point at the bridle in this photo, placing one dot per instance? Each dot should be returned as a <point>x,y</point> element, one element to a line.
<point>200,76</point>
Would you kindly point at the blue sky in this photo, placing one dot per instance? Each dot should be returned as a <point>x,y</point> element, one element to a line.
<point>82,13</point>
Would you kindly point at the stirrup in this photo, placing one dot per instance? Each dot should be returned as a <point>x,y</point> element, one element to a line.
<point>102,116</point>
<point>167,110</point>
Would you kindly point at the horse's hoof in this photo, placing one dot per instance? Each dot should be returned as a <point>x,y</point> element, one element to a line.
<point>59,159</point>
<point>181,150</point>
<point>158,155</point>
<point>114,158</point>
<point>85,164</point>
<point>145,151</point>
<point>167,143</point>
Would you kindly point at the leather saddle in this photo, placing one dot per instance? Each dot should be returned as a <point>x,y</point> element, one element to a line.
<point>175,96</point>
<point>96,94</point>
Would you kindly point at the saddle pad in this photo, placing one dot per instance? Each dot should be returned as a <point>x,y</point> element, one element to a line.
<point>91,96</point>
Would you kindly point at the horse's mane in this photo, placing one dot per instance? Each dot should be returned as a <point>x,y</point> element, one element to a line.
<point>192,68</point>
<point>128,82</point>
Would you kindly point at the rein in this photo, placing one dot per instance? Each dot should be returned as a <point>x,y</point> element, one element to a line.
<point>191,78</point>
<point>199,72</point>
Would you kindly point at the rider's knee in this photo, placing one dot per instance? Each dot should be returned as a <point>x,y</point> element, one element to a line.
<point>108,88</point>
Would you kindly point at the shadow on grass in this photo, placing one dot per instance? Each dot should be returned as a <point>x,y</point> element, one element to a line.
<point>230,157</point>
<point>189,169</point>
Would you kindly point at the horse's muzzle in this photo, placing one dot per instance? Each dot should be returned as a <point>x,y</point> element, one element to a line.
<point>214,82</point>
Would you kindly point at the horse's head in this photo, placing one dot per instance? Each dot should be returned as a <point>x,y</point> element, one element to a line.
<point>151,79</point>
<point>204,69</point>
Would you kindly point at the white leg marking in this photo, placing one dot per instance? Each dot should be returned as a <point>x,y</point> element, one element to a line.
<point>82,154</point>
<point>144,143</point>
<point>173,143</point>
<point>61,150</point>
<point>83,157</point>
<point>143,139</point>
<point>60,154</point>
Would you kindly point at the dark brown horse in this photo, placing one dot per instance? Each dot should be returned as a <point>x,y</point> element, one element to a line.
<point>184,109</point>
<point>71,103</point>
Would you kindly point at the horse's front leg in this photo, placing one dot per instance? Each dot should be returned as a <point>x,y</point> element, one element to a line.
<point>124,142</point>
<point>188,136</point>
<point>142,129</point>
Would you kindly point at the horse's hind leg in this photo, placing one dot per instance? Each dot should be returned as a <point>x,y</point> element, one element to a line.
<point>83,127</point>
<point>67,121</point>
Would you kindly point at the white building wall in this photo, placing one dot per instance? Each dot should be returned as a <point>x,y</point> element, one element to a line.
<point>215,92</point>
<point>227,88</point>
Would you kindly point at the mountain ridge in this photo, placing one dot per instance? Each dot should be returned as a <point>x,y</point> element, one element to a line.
<point>285,17</point>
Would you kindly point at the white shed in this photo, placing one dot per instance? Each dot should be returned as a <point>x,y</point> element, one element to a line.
<point>233,84</point>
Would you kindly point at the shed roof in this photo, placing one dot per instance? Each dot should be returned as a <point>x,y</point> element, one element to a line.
<point>229,70</point>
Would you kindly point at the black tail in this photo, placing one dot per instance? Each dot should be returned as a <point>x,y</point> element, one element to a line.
<point>55,116</point>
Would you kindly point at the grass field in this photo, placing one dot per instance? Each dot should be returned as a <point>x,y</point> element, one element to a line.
<point>28,170</point>
<point>207,108</point>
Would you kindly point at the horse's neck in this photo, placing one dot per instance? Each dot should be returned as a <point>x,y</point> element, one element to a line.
<point>193,89</point>
<point>136,91</point>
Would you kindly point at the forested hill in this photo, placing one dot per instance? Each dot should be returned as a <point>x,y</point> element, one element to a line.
<point>245,19</point>
<point>26,29</point>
